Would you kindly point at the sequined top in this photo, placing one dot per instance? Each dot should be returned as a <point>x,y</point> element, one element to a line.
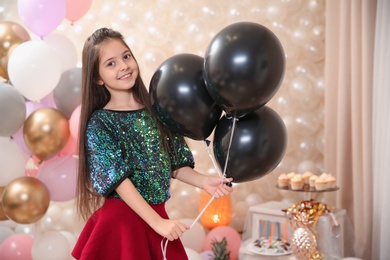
<point>126,144</point>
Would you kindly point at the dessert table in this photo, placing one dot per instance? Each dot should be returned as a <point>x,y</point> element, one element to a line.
<point>330,237</point>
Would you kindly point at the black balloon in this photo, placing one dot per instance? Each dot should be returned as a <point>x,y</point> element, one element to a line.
<point>244,67</point>
<point>258,144</point>
<point>180,98</point>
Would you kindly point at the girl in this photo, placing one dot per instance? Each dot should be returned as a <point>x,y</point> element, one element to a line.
<point>126,160</point>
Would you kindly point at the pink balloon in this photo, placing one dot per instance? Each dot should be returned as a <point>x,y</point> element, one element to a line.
<point>75,9</point>
<point>232,236</point>
<point>74,123</point>
<point>19,139</point>
<point>70,148</point>
<point>60,175</point>
<point>42,16</point>
<point>17,247</point>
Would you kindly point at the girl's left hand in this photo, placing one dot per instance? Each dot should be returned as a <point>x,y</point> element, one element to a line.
<point>217,187</point>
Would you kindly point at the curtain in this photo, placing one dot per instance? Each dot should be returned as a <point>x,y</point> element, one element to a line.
<point>350,31</point>
<point>381,134</point>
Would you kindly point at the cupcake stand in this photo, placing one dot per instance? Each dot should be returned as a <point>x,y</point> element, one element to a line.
<point>268,232</point>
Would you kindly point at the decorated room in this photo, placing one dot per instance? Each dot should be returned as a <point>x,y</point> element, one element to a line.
<point>270,119</point>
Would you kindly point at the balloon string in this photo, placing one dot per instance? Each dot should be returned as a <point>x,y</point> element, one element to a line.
<point>203,210</point>
<point>212,159</point>
<point>165,245</point>
<point>230,144</point>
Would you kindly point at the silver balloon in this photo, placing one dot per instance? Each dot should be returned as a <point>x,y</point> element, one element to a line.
<point>13,110</point>
<point>67,93</point>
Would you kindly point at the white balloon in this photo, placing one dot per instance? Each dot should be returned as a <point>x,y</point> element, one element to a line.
<point>300,87</point>
<point>5,232</point>
<point>307,69</point>
<point>319,86</point>
<point>70,220</point>
<point>65,49</point>
<point>34,69</point>
<point>236,13</point>
<point>318,33</point>
<point>241,190</point>
<point>173,213</point>
<point>50,245</point>
<point>288,164</point>
<point>12,161</point>
<point>316,5</point>
<point>192,254</point>
<point>186,200</point>
<point>27,229</point>
<point>159,35</point>
<point>285,104</point>
<point>314,51</point>
<point>52,219</point>
<point>306,148</point>
<point>306,124</point>
<point>195,236</point>
<point>307,165</point>
<point>71,238</point>
<point>152,58</point>
<point>240,208</point>
<point>276,11</point>
<point>8,223</point>
<point>253,199</point>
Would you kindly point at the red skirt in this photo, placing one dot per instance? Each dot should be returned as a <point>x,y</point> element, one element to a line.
<point>116,232</point>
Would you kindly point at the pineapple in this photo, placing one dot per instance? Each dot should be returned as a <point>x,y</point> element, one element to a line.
<point>219,249</point>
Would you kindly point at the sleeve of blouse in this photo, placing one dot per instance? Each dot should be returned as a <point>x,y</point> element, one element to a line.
<point>106,164</point>
<point>182,155</point>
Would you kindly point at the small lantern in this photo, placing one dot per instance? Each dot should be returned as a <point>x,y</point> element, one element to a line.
<point>218,213</point>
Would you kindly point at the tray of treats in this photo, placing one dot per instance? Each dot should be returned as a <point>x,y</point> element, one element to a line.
<point>307,182</point>
<point>269,247</point>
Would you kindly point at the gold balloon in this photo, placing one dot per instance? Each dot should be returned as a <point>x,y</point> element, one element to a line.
<point>11,35</point>
<point>46,132</point>
<point>25,200</point>
<point>3,216</point>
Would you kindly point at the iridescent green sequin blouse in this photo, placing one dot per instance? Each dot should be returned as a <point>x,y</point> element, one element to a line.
<point>126,144</point>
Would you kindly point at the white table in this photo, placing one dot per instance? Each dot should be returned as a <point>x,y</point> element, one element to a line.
<point>329,241</point>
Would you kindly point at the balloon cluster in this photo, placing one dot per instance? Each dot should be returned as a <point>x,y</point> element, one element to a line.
<point>38,102</point>
<point>155,31</point>
<point>242,70</point>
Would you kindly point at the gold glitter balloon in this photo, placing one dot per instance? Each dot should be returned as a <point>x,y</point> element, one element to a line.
<point>11,35</point>
<point>46,132</point>
<point>2,214</point>
<point>303,243</point>
<point>25,200</point>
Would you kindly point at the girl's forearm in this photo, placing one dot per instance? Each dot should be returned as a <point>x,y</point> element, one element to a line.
<point>190,176</point>
<point>136,202</point>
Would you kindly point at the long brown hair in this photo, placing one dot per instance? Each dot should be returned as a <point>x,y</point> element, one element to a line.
<point>95,97</point>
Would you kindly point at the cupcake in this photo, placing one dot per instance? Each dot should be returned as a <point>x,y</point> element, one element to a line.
<point>331,181</point>
<point>297,182</point>
<point>321,184</point>
<point>323,175</point>
<point>306,176</point>
<point>312,181</point>
<point>290,175</point>
<point>283,181</point>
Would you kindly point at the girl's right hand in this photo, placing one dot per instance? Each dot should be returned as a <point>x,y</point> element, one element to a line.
<point>171,229</point>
